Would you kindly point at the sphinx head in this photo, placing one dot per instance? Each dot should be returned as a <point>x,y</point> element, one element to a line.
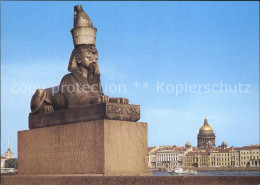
<point>84,56</point>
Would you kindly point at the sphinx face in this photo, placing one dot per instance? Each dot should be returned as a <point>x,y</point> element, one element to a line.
<point>89,58</point>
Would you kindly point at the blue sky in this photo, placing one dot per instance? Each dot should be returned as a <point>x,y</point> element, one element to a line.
<point>150,47</point>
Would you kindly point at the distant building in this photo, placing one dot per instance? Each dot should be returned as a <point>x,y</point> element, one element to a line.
<point>3,159</point>
<point>224,157</point>
<point>182,152</point>
<point>197,159</point>
<point>151,156</point>
<point>206,136</point>
<point>205,155</point>
<point>8,155</point>
<point>188,145</point>
<point>249,156</point>
<point>167,157</point>
<point>246,156</point>
<point>223,144</point>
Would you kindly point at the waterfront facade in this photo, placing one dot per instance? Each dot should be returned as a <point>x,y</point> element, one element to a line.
<point>166,157</point>
<point>224,157</point>
<point>249,156</point>
<point>197,159</point>
<point>205,155</point>
<point>169,157</point>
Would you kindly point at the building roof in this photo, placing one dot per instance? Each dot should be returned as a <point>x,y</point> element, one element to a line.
<point>197,153</point>
<point>164,150</point>
<point>150,148</point>
<point>250,147</point>
<point>180,149</point>
<point>168,148</point>
<point>223,150</point>
<point>236,148</point>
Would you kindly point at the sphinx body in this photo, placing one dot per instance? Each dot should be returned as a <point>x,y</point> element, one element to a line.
<point>82,85</point>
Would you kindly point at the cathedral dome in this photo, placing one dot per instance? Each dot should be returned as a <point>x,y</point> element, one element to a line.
<point>206,126</point>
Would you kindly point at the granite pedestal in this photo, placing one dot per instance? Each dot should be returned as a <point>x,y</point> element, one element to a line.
<point>99,147</point>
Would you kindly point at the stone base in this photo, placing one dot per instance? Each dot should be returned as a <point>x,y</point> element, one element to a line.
<point>105,147</point>
<point>136,180</point>
<point>113,111</point>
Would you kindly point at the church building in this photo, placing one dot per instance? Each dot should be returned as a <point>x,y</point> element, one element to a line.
<point>206,136</point>
<point>8,155</point>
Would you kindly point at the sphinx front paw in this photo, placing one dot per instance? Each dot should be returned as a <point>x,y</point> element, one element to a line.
<point>119,100</point>
<point>103,99</point>
<point>124,100</point>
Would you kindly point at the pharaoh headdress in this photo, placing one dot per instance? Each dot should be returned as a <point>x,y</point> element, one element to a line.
<point>83,33</point>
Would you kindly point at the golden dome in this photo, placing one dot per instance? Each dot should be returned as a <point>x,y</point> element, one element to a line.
<point>206,126</point>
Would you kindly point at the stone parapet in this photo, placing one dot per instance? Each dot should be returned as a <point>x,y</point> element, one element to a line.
<point>136,180</point>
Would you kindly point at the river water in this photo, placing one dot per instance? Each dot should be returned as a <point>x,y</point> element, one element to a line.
<point>214,173</point>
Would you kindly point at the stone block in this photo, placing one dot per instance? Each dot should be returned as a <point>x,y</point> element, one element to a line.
<point>113,111</point>
<point>105,147</point>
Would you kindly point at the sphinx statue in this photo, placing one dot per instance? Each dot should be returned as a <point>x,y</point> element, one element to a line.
<point>82,85</point>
